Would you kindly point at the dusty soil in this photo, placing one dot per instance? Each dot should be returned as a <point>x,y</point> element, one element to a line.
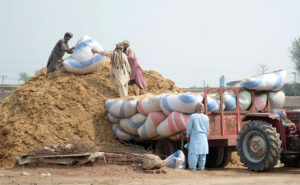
<point>116,174</point>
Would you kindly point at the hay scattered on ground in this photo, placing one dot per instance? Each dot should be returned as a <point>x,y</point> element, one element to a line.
<point>64,107</point>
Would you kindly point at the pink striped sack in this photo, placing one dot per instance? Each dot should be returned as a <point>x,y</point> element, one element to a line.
<point>260,101</point>
<point>148,130</point>
<point>149,104</point>
<point>176,122</point>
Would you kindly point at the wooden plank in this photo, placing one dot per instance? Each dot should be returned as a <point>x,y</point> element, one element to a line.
<point>55,156</point>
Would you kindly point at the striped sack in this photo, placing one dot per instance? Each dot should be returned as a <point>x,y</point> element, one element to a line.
<point>277,99</point>
<point>260,101</point>
<point>121,134</point>
<point>273,81</point>
<point>149,104</point>
<point>229,100</point>
<point>121,108</point>
<point>112,118</point>
<point>176,122</point>
<point>131,124</point>
<point>245,100</point>
<point>83,61</point>
<point>148,130</point>
<point>185,103</point>
<point>213,104</point>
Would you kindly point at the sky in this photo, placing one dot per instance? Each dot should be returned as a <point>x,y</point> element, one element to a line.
<point>191,42</point>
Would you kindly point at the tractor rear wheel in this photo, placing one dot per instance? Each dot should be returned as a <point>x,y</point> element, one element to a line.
<point>259,146</point>
<point>290,161</point>
<point>226,157</point>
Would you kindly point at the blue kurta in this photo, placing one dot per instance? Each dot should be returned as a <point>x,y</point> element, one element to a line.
<point>198,130</point>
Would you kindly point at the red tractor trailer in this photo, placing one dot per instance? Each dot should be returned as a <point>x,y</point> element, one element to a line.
<point>261,138</point>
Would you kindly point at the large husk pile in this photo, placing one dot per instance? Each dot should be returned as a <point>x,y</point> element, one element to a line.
<point>64,107</point>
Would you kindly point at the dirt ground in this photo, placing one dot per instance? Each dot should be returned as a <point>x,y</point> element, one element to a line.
<point>118,174</point>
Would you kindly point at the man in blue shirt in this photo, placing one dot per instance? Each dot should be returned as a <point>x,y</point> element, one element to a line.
<point>197,135</point>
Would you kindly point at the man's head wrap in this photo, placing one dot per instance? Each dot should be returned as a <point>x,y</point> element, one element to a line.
<point>199,107</point>
<point>69,34</point>
<point>126,43</point>
<point>116,60</point>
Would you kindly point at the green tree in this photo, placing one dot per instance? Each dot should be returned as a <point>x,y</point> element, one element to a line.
<point>23,76</point>
<point>295,54</point>
<point>291,89</point>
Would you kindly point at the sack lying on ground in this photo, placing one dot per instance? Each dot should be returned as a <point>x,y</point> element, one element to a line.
<point>185,103</point>
<point>176,160</point>
<point>112,118</point>
<point>277,99</point>
<point>121,108</point>
<point>121,134</point>
<point>149,104</point>
<point>131,124</point>
<point>260,101</point>
<point>176,122</point>
<point>245,100</point>
<point>83,61</point>
<point>272,81</point>
<point>148,130</point>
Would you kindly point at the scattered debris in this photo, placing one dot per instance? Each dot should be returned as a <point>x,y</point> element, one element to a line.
<point>25,174</point>
<point>46,174</point>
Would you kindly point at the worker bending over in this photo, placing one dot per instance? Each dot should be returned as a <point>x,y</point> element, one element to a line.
<point>120,68</point>
<point>137,74</point>
<point>55,60</point>
<point>197,135</point>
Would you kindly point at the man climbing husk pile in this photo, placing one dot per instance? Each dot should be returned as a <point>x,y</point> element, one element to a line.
<point>64,107</point>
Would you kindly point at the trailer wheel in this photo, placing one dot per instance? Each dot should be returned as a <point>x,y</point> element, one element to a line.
<point>215,157</point>
<point>258,146</point>
<point>226,157</point>
<point>290,161</point>
<point>164,148</point>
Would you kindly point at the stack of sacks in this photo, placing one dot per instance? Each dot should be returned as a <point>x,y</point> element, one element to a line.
<point>151,116</point>
<point>83,61</point>
<point>124,111</point>
<point>165,116</point>
<point>272,82</point>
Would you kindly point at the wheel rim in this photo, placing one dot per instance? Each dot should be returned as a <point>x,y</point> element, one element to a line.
<point>254,146</point>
